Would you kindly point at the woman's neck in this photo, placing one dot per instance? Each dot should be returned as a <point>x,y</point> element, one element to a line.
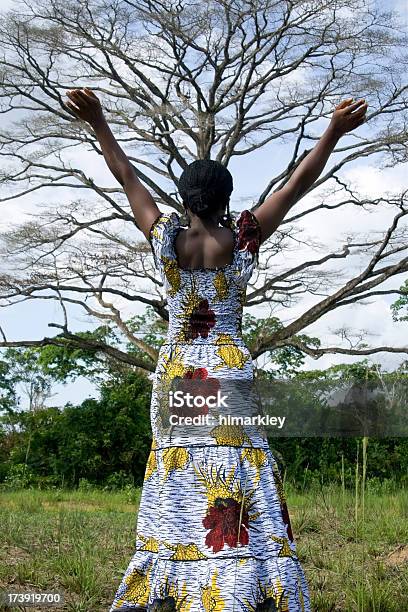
<point>198,223</point>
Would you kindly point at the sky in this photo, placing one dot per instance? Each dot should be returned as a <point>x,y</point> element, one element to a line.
<point>251,174</point>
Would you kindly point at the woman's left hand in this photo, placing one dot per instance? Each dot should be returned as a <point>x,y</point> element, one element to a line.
<point>348,115</point>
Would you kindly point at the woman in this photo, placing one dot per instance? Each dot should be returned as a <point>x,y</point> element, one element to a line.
<point>213,529</point>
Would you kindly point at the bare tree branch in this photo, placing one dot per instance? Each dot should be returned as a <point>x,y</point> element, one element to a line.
<point>182,81</point>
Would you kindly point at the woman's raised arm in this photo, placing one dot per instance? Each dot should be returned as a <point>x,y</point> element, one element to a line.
<point>86,105</point>
<point>346,117</point>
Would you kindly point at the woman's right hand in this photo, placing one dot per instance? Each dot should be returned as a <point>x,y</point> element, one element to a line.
<point>347,116</point>
<point>85,105</point>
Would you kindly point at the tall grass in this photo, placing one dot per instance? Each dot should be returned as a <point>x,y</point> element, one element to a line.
<point>80,542</point>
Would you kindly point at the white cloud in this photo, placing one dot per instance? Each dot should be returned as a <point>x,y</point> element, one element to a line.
<point>6,5</point>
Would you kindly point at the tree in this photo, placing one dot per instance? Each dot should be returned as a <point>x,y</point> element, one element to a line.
<point>22,367</point>
<point>184,80</point>
<point>96,440</point>
<point>400,306</point>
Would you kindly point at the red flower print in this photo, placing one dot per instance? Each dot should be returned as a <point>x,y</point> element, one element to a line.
<point>206,385</point>
<point>286,520</point>
<point>202,319</point>
<point>197,373</point>
<point>197,382</point>
<point>249,232</point>
<point>223,521</point>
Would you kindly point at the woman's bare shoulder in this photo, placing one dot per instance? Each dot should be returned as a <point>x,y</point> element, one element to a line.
<point>213,246</point>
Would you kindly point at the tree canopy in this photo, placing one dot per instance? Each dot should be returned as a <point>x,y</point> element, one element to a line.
<point>180,81</point>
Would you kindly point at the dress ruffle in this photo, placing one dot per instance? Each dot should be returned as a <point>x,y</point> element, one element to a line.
<point>244,584</point>
<point>161,236</point>
<point>248,232</point>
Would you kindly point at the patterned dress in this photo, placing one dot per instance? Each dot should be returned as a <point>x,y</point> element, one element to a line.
<point>213,530</point>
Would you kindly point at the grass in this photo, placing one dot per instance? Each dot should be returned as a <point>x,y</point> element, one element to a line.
<point>359,568</point>
<point>80,542</point>
<point>74,542</point>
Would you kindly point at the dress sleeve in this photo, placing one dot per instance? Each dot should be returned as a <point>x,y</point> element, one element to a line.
<point>161,235</point>
<point>249,238</point>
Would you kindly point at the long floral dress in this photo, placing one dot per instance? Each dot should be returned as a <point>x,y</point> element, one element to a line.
<point>213,531</point>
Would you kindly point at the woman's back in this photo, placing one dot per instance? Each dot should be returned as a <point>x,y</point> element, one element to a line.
<point>205,302</point>
<point>204,247</point>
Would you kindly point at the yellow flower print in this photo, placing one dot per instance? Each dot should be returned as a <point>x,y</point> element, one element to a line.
<point>176,599</point>
<point>230,354</point>
<point>162,220</point>
<point>185,552</point>
<point>286,550</point>
<point>175,458</point>
<point>173,366</point>
<point>221,286</point>
<point>227,518</point>
<point>257,458</point>
<point>217,486</point>
<point>282,599</point>
<point>189,303</point>
<point>229,435</point>
<point>278,483</point>
<point>211,596</point>
<point>151,465</point>
<point>137,588</point>
<point>150,544</point>
<point>172,273</point>
<point>197,318</point>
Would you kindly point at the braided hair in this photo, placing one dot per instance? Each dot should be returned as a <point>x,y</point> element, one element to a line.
<point>205,186</point>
